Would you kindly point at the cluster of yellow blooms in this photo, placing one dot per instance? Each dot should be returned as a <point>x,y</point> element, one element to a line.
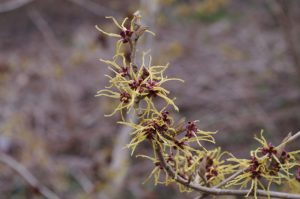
<point>268,164</point>
<point>137,87</point>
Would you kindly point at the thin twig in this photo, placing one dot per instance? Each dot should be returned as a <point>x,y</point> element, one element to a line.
<point>83,180</point>
<point>229,178</point>
<point>43,26</point>
<point>133,51</point>
<point>95,8</point>
<point>290,139</point>
<point>282,15</point>
<point>28,177</point>
<point>293,137</point>
<point>218,191</point>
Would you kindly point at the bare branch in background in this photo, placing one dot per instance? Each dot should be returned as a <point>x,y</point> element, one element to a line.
<point>95,8</point>
<point>45,29</point>
<point>12,5</point>
<point>27,176</point>
<point>280,10</point>
<point>83,180</point>
<point>120,162</point>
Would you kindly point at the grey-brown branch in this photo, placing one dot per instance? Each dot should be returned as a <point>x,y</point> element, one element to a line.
<point>28,177</point>
<point>218,191</point>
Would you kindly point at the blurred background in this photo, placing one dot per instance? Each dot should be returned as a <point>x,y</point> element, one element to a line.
<point>240,61</point>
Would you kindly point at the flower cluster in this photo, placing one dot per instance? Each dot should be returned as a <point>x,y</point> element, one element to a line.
<point>268,164</point>
<point>128,32</point>
<point>182,145</point>
<point>133,86</point>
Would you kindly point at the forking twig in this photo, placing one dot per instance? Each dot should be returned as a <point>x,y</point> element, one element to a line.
<point>218,191</point>
<point>290,139</point>
<point>230,178</point>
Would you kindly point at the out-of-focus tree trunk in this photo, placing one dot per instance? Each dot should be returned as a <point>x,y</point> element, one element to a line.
<point>280,9</point>
<point>149,9</point>
<point>120,156</point>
